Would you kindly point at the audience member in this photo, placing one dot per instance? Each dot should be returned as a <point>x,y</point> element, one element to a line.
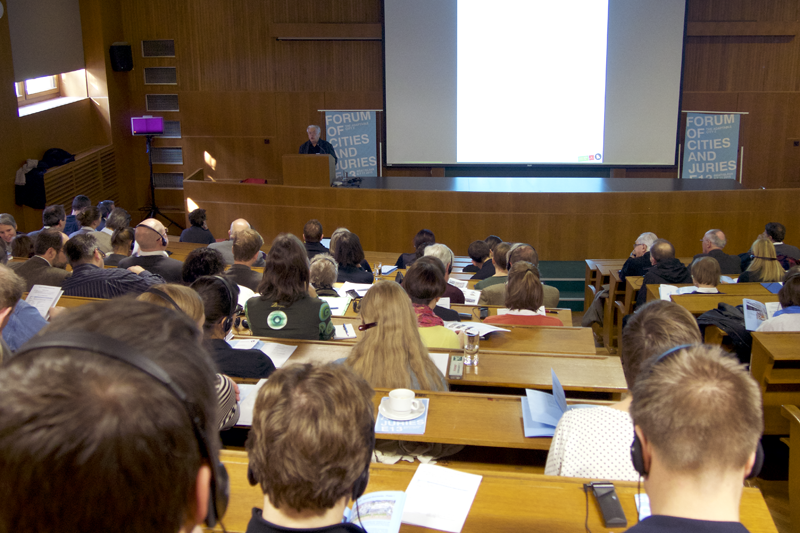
<point>335,236</point>
<point>88,219</point>
<point>8,230</point>
<point>151,236</point>
<point>422,236</point>
<point>349,255</point>
<point>315,145</point>
<point>496,294</point>
<point>500,275</point>
<point>47,266</point>
<point>202,262</point>
<point>105,207</point>
<point>121,245</point>
<point>187,301</point>
<point>197,232</point>
<point>21,247</point>
<point>247,245</point>
<point>788,318</point>
<point>11,289</point>
<point>765,266</point>
<point>323,274</point>
<point>90,280</point>
<point>776,232</point>
<point>487,268</point>
<point>713,243</point>
<point>117,219</point>
<point>312,235</point>
<point>666,269</point>
<point>595,443</point>
<point>639,262</point>
<point>445,313</point>
<point>226,247</point>
<point>310,448</point>
<point>524,299</point>
<point>220,301</point>
<point>284,308</point>
<point>391,353</point>
<point>79,203</point>
<point>478,252</point>
<point>698,419</point>
<point>53,216</point>
<point>446,256</point>
<point>705,275</point>
<point>424,284</point>
<point>24,323</point>
<point>91,442</point>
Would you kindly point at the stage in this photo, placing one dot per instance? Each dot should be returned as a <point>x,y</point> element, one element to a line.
<point>545,185</point>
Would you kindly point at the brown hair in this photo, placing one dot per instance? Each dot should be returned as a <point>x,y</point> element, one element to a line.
<point>501,255</point>
<point>522,252</point>
<point>705,271</point>
<point>22,246</point>
<point>11,287</point>
<point>765,265</point>
<point>662,250</point>
<point>121,239</point>
<point>286,271</point>
<point>312,231</point>
<point>478,251</point>
<point>348,250</point>
<point>46,239</point>
<point>187,299</point>
<point>524,288</point>
<point>424,282</point>
<point>789,294</point>
<point>81,432</point>
<point>246,244</point>
<point>700,409</point>
<point>324,270</point>
<point>655,328</point>
<point>312,436</point>
<point>88,216</point>
<point>389,353</point>
<point>424,236</point>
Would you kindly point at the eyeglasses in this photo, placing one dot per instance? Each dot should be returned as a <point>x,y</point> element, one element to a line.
<point>364,327</point>
<point>101,252</point>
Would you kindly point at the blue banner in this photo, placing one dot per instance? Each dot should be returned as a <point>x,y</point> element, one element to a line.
<point>352,134</point>
<point>711,146</point>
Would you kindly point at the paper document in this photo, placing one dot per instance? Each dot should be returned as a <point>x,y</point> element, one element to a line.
<point>244,344</point>
<point>43,297</point>
<point>360,288</point>
<point>440,498</point>
<point>338,305</point>
<point>460,283</point>
<point>442,361</point>
<point>482,328</point>
<point>643,505</point>
<point>471,297</point>
<point>378,512</point>
<point>756,312</point>
<point>278,353</point>
<point>248,395</point>
<point>344,331</point>
<point>443,302</point>
<point>415,426</point>
<point>244,295</point>
<point>727,279</point>
<point>387,269</point>
<point>665,292</point>
<point>542,411</point>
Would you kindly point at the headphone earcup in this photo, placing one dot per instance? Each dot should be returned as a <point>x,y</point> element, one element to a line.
<point>227,324</point>
<point>759,462</point>
<point>219,494</point>
<point>637,457</point>
<point>251,476</point>
<point>361,484</point>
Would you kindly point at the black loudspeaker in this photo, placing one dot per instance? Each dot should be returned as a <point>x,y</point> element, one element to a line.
<point>121,57</point>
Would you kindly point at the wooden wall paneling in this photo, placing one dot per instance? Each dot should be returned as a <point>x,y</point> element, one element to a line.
<point>354,100</point>
<point>228,114</point>
<point>13,154</point>
<point>742,10</point>
<point>74,127</point>
<point>307,11</point>
<point>764,139</point>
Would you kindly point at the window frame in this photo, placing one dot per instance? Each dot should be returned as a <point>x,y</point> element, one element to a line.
<point>27,99</point>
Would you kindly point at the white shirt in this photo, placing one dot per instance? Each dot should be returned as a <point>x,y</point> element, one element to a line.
<point>593,443</point>
<point>106,230</point>
<point>785,322</point>
<point>157,252</point>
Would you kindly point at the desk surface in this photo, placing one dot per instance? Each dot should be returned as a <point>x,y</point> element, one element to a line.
<point>505,502</point>
<point>779,345</point>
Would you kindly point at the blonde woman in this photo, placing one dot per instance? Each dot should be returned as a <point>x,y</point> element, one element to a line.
<point>391,353</point>
<point>765,266</point>
<point>185,300</point>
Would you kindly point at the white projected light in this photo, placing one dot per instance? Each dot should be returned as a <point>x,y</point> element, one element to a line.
<point>518,105</point>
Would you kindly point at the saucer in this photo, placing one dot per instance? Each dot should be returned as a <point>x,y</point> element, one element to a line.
<point>411,415</point>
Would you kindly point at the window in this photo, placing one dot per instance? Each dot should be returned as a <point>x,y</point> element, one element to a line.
<point>36,90</point>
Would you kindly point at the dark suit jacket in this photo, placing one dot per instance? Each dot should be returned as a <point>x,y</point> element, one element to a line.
<point>728,264</point>
<point>486,271</point>
<point>314,248</point>
<point>169,269</point>
<point>244,275</point>
<point>325,147</point>
<point>36,271</point>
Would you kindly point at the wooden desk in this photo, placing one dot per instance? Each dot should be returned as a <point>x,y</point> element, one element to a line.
<point>506,502</point>
<point>746,290</point>
<point>771,361</point>
<point>561,313</point>
<point>71,301</point>
<point>616,293</point>
<point>542,339</point>
<point>595,373</point>
<point>697,304</point>
<point>792,414</point>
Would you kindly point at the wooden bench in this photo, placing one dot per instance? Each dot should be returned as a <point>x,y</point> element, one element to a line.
<point>792,414</point>
<point>774,365</point>
<point>506,502</point>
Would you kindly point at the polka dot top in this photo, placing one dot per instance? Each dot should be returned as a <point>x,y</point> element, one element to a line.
<point>593,443</point>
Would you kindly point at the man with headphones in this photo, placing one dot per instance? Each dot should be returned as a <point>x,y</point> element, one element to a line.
<point>109,425</point>
<point>310,448</point>
<point>151,236</point>
<point>698,418</point>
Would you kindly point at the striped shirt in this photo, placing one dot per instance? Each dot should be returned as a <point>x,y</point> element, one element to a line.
<point>91,281</point>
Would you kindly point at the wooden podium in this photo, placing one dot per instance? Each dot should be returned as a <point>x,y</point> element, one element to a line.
<point>309,170</point>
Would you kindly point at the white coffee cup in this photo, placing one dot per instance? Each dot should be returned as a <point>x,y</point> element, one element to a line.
<point>402,401</point>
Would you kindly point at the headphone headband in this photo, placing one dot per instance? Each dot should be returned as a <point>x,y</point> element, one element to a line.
<point>164,296</point>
